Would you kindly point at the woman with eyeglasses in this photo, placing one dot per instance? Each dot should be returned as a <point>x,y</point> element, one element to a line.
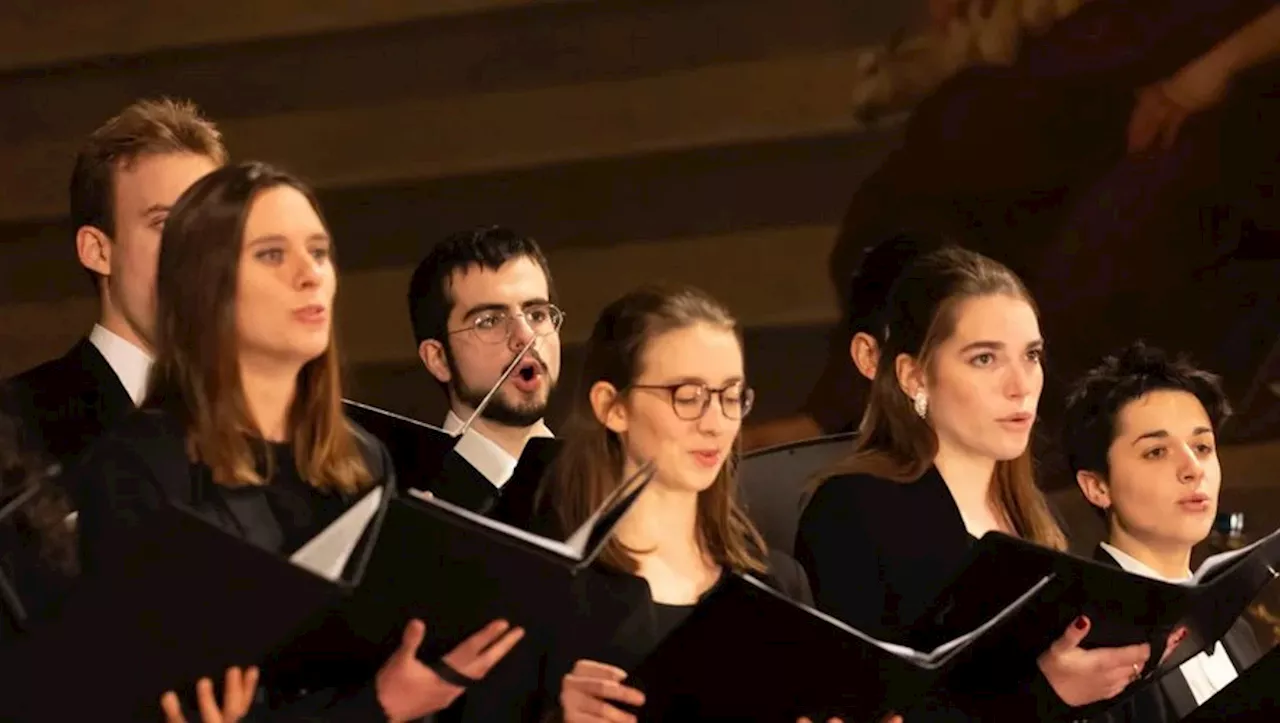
<point>663,380</point>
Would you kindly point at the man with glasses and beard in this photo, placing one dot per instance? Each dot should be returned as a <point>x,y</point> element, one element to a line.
<point>476,300</point>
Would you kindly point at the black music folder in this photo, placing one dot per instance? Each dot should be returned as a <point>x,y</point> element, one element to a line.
<point>177,599</point>
<point>1123,608</point>
<point>419,451</point>
<point>426,458</point>
<point>1253,697</point>
<point>457,570</point>
<point>748,652</point>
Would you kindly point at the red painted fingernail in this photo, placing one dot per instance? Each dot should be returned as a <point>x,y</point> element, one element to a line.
<point>1081,623</point>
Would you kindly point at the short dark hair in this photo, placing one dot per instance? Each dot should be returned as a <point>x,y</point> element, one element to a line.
<point>488,247</point>
<point>1095,402</point>
<point>881,265</point>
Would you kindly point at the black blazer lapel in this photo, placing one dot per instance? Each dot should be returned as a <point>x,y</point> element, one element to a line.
<point>1178,694</point>
<point>185,483</point>
<point>68,402</point>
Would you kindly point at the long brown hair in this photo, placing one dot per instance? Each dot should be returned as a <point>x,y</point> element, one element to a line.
<point>896,443</point>
<point>197,373</point>
<point>590,464</point>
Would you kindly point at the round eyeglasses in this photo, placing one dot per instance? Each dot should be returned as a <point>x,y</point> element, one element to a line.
<point>690,401</point>
<point>495,326</point>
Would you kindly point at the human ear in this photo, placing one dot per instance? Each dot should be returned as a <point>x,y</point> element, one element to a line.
<point>433,356</point>
<point>865,352</point>
<point>606,404</point>
<point>1095,489</point>
<point>910,375</point>
<point>93,248</point>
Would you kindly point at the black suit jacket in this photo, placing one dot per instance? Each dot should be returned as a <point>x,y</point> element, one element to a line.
<point>1170,698</point>
<point>141,464</point>
<point>878,552</point>
<point>68,402</point>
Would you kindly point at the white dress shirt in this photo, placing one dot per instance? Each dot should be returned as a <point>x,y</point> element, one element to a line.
<point>131,364</point>
<point>1206,673</point>
<point>487,456</point>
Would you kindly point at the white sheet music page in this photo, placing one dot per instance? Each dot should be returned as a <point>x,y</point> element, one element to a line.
<point>545,543</point>
<point>1213,562</point>
<point>327,553</point>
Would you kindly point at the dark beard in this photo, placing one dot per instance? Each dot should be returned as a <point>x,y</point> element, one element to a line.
<point>499,410</point>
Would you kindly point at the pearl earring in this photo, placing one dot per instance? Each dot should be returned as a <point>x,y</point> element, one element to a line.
<point>921,403</point>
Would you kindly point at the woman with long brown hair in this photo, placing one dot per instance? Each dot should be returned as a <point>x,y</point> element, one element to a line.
<point>245,392</point>
<point>943,458</point>
<point>663,380</point>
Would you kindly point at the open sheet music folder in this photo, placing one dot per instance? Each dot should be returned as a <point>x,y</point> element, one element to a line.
<point>176,599</point>
<point>458,570</point>
<point>1123,608</point>
<point>747,652</point>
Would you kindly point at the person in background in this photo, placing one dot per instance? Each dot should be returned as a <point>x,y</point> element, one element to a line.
<point>1159,108</point>
<point>127,176</point>
<point>1139,436</point>
<point>475,301</point>
<point>856,339</point>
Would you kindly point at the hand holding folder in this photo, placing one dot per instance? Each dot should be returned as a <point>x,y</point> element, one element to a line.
<point>1081,676</point>
<point>238,691</point>
<point>408,690</point>
<point>1123,608</point>
<point>458,569</point>
<point>589,691</point>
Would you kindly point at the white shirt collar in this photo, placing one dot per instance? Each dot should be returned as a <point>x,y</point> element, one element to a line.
<point>131,364</point>
<point>487,456</point>
<point>1131,564</point>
